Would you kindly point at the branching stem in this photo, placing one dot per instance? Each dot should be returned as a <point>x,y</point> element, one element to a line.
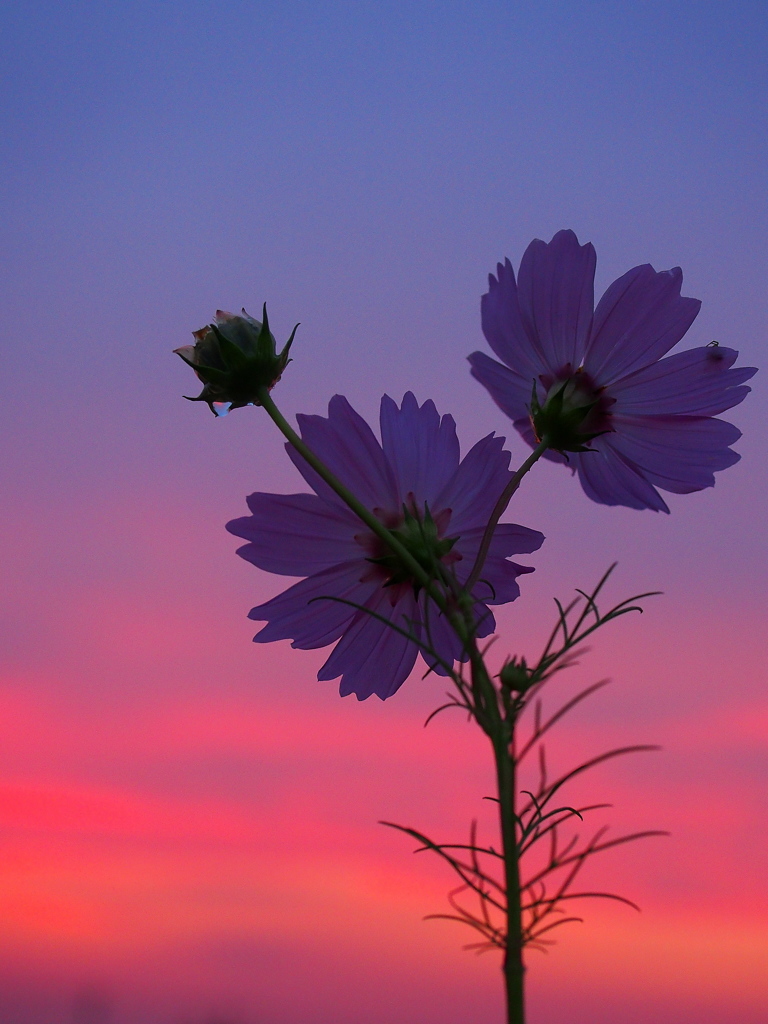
<point>499,509</point>
<point>514,911</point>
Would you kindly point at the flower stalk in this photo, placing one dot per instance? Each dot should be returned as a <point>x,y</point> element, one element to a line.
<point>487,707</point>
<point>501,734</point>
<point>500,508</point>
<point>530,903</point>
<point>513,966</point>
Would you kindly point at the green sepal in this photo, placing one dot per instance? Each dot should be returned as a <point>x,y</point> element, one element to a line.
<point>187,361</point>
<point>265,343</point>
<point>212,375</point>
<point>287,346</point>
<point>561,424</point>
<point>234,358</point>
<point>419,537</point>
<point>201,398</point>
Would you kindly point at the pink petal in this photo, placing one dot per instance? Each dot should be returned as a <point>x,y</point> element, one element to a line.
<point>678,453</point>
<point>473,489</point>
<point>510,390</point>
<point>608,479</point>
<point>438,633</point>
<point>503,326</point>
<point>371,657</point>
<point>348,447</point>
<point>556,294</point>
<point>296,534</point>
<point>511,539</point>
<point>304,614</point>
<point>638,320</point>
<point>421,448</point>
<point>497,584</point>
<point>698,382</point>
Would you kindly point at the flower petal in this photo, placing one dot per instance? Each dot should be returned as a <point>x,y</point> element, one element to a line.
<point>498,581</point>
<point>444,641</point>
<point>348,447</point>
<point>300,613</point>
<point>678,453</point>
<point>438,633</point>
<point>474,488</point>
<point>296,534</point>
<point>556,294</point>
<point>421,448</point>
<point>508,539</point>
<point>638,320</point>
<point>371,657</point>
<point>503,326</point>
<point>610,480</point>
<point>698,382</point>
<point>510,390</point>
<point>511,539</point>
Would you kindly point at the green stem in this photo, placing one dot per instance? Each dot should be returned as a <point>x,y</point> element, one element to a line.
<point>370,520</point>
<point>498,511</point>
<point>500,731</point>
<point>513,967</point>
<point>486,710</point>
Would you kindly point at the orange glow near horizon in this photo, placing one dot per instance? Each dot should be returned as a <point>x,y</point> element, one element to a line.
<point>95,873</point>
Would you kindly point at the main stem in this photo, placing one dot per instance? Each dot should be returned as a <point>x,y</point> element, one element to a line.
<point>500,731</point>
<point>487,710</point>
<point>513,967</point>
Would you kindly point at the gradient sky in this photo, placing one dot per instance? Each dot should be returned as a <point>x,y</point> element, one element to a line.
<point>188,821</point>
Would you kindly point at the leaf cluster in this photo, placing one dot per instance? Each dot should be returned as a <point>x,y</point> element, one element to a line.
<point>550,866</point>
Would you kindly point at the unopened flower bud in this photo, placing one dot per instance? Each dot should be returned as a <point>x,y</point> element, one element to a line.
<point>515,676</point>
<point>234,357</point>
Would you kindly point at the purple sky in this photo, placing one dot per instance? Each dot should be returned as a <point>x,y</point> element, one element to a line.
<point>361,167</point>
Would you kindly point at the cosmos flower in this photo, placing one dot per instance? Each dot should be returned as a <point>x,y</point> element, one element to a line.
<point>416,485</point>
<point>648,421</point>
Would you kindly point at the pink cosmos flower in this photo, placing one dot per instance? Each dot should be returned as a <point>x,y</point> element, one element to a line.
<point>654,416</point>
<point>413,477</point>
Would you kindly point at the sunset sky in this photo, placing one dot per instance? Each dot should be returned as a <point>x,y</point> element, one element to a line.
<point>188,821</point>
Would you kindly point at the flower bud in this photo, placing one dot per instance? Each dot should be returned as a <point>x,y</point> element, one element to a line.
<point>234,357</point>
<point>515,676</point>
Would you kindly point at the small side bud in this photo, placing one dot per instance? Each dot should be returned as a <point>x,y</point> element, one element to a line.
<point>515,676</point>
<point>234,357</point>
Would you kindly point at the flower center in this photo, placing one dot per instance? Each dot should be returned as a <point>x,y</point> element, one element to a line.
<point>575,409</point>
<point>423,537</point>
